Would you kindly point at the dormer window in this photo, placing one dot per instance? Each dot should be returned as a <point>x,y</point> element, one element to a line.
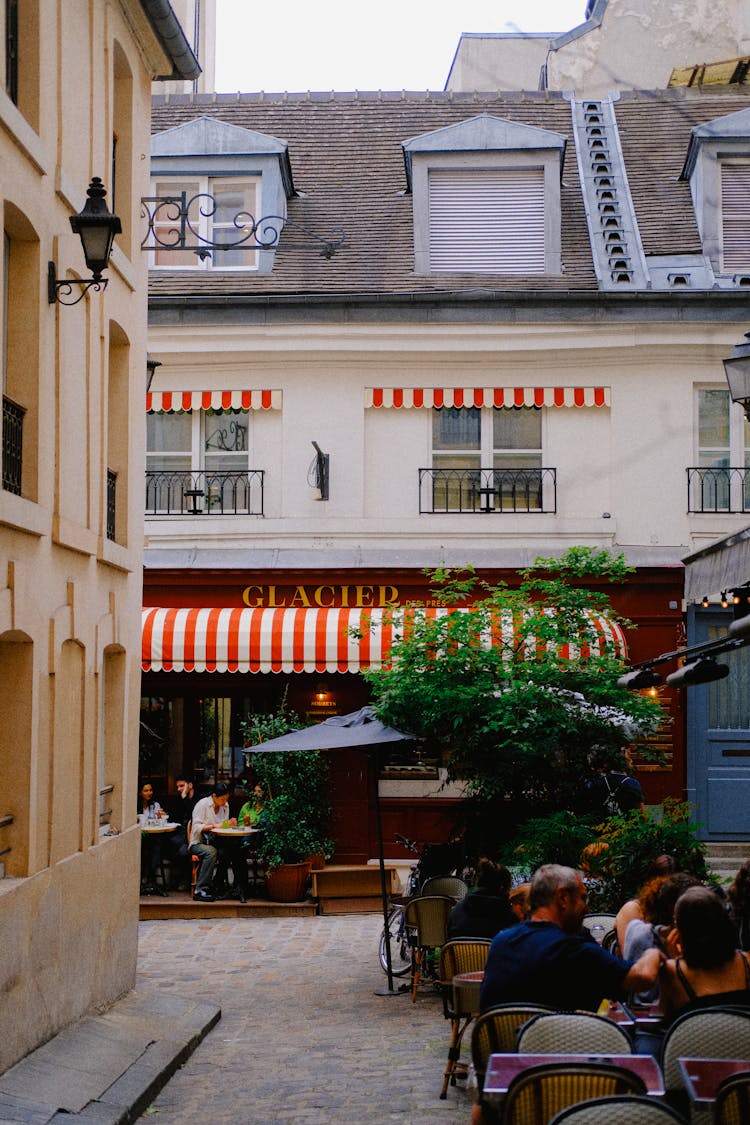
<point>717,167</point>
<point>486,198</point>
<point>239,181</point>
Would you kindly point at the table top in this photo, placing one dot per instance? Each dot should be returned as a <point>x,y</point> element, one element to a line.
<point>238,830</point>
<point>469,978</point>
<point>503,1068</point>
<point>702,1077</point>
<point>646,1014</point>
<point>160,826</point>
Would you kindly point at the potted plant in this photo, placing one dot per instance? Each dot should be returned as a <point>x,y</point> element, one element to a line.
<point>296,812</point>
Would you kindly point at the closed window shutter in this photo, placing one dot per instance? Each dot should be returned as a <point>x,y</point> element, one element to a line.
<point>735,213</point>
<point>487,221</point>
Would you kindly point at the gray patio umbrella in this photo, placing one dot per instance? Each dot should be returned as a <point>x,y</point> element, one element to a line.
<point>359,729</point>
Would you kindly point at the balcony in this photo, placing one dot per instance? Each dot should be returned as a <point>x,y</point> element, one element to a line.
<point>183,493</point>
<point>723,489</point>
<point>519,491</point>
<point>12,445</point>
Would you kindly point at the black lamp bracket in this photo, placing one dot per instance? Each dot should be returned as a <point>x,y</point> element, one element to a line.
<point>174,223</point>
<point>57,290</point>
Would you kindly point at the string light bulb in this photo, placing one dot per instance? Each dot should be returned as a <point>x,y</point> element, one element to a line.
<point>724,600</point>
<point>705,602</point>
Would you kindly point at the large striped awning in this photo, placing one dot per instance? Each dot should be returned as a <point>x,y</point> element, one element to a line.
<point>428,397</point>
<point>164,402</point>
<point>311,640</point>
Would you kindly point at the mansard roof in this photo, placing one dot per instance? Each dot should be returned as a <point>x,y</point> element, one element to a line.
<point>347,153</point>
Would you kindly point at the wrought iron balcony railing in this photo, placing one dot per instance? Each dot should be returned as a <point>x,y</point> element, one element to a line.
<point>12,445</point>
<point>111,502</point>
<point>718,489</point>
<point>183,493</point>
<point>488,490</point>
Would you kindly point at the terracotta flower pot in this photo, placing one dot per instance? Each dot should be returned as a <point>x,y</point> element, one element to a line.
<point>288,882</point>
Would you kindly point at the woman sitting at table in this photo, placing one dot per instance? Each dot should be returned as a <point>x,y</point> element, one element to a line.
<point>252,810</point>
<point>657,900</point>
<point>711,969</point>
<point>149,812</point>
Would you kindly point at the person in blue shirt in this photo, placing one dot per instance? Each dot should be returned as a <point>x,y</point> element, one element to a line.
<point>549,960</point>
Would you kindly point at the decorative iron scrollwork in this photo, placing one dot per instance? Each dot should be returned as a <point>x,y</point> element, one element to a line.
<point>174,224</point>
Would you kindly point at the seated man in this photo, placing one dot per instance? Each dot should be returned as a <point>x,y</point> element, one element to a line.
<point>179,842</point>
<point>547,960</point>
<point>207,812</point>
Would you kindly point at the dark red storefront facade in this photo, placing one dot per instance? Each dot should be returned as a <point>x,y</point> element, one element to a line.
<point>191,718</point>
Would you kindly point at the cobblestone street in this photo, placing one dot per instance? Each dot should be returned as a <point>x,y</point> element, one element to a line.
<point>302,1036</point>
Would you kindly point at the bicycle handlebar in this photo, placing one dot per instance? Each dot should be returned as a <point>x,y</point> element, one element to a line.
<point>410,844</point>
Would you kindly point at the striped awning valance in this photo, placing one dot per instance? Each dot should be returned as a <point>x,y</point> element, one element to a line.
<point>312,640</point>
<point>175,401</point>
<point>417,397</point>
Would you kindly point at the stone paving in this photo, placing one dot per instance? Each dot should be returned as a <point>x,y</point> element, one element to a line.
<point>302,1038</point>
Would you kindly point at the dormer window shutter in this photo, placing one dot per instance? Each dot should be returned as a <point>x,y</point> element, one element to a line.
<point>735,209</point>
<point>487,220</point>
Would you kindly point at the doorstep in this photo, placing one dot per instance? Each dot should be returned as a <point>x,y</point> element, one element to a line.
<point>178,904</point>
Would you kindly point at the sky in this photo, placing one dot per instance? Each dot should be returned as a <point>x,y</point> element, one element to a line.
<point>348,45</point>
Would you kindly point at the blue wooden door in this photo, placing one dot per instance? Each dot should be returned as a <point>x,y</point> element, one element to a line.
<point>718,738</point>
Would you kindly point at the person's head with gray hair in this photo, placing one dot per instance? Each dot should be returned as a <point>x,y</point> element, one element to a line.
<point>548,881</point>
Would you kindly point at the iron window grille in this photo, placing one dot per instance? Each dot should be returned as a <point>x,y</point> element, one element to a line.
<point>519,491</point>
<point>205,492</point>
<point>12,446</point>
<point>718,489</point>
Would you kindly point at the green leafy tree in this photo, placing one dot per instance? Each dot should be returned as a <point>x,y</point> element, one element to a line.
<point>519,692</point>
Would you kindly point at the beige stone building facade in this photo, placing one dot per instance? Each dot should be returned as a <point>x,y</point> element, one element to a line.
<point>74,104</point>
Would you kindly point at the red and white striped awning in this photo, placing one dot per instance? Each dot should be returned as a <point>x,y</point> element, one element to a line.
<point>311,640</point>
<point>427,397</point>
<point>164,402</point>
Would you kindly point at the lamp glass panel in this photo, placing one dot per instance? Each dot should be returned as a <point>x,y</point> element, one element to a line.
<point>737,371</point>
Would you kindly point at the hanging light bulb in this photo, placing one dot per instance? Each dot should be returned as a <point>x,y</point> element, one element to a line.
<point>724,599</point>
<point>705,602</point>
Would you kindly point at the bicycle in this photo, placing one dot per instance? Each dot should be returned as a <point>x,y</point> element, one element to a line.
<point>434,859</point>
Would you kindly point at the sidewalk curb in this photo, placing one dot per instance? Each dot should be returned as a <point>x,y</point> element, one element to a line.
<point>106,1069</point>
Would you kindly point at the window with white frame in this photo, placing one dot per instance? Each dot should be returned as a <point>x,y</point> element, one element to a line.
<point>197,461</point>
<point>487,458</point>
<point>735,216</point>
<point>221,214</point>
<point>723,452</point>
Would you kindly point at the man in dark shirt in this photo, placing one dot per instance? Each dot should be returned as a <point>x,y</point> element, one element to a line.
<point>178,841</point>
<point>547,960</point>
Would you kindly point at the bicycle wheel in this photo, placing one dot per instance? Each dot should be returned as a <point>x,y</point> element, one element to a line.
<point>400,951</point>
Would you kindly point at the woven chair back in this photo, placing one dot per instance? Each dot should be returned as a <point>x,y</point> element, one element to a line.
<point>572,1033</point>
<point>710,1033</point>
<point>495,1031</point>
<point>537,1094</point>
<point>732,1105</point>
<point>449,885</point>
<point>619,1110</point>
<point>428,916</point>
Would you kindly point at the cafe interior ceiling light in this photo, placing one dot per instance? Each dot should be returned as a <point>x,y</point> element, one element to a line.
<point>702,671</point>
<point>96,226</point>
<point>737,371</point>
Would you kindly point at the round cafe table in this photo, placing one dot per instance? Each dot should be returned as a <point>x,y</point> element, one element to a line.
<point>227,840</point>
<point>152,853</point>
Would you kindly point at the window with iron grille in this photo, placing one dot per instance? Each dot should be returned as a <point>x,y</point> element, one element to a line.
<point>720,482</point>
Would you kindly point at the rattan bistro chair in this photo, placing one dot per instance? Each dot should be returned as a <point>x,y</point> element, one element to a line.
<point>606,921</point>
<point>426,918</point>
<point>495,1032</point>
<point>619,1110</point>
<point>460,1005</point>
<point>732,1105</point>
<point>572,1033</point>
<point>537,1094</point>
<point>711,1033</point>
<point>449,885</point>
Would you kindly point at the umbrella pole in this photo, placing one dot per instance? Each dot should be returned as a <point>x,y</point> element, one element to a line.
<point>390,990</point>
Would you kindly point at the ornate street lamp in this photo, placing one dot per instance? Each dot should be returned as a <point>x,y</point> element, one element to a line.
<point>96,226</point>
<point>737,371</point>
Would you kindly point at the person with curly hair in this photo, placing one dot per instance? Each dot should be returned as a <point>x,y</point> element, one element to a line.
<point>657,899</point>
<point>738,893</point>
